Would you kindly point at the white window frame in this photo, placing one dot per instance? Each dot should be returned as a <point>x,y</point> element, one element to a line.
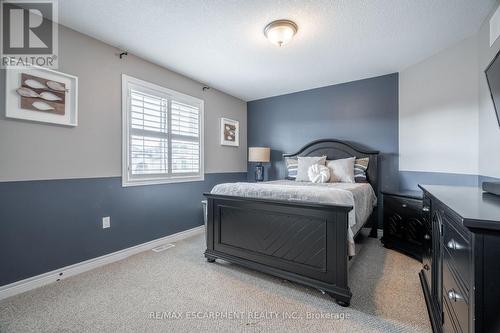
<point>127,178</point>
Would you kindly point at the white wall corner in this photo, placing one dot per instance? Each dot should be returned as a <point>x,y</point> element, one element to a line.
<point>438,112</point>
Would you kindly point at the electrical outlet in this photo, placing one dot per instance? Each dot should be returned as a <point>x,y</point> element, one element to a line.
<point>106,222</point>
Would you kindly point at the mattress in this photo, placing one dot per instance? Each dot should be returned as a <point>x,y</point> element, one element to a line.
<point>359,195</point>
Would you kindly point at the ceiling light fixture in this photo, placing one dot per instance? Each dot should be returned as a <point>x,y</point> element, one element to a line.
<point>280,32</point>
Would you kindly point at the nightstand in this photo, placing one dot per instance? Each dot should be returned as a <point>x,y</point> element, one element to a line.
<point>404,227</point>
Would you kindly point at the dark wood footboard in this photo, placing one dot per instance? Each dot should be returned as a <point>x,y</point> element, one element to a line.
<point>301,242</point>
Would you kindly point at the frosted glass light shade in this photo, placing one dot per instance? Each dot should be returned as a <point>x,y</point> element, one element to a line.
<point>280,32</point>
<point>259,154</point>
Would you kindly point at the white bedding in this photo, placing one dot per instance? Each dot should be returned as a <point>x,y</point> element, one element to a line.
<point>359,195</point>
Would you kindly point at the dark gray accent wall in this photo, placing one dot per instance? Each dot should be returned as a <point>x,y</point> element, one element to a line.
<point>46,225</point>
<point>409,180</point>
<point>364,112</point>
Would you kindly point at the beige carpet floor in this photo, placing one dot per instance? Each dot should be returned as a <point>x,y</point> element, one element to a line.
<point>178,291</point>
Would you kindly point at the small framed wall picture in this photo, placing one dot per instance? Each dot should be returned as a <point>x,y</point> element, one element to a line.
<point>42,95</point>
<point>229,132</point>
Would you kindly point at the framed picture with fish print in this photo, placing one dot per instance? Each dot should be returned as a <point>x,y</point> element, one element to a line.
<point>229,132</point>
<point>43,95</point>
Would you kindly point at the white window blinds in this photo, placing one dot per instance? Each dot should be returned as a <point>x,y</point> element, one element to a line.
<point>163,141</point>
<point>185,138</point>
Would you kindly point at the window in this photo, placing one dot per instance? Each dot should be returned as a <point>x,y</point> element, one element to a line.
<point>162,134</point>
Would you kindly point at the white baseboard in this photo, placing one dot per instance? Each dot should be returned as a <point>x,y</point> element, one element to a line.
<point>65,272</point>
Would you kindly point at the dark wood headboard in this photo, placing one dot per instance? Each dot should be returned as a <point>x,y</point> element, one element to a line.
<point>335,149</point>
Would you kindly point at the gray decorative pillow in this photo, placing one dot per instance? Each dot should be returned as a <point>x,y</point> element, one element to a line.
<point>341,171</point>
<point>360,167</point>
<point>304,163</point>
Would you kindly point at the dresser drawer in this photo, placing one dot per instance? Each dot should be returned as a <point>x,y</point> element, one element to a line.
<point>458,246</point>
<point>456,299</point>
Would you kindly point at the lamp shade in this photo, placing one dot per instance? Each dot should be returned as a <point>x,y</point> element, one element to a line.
<point>259,154</point>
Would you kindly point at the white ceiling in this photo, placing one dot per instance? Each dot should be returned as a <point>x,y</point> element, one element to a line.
<point>221,43</point>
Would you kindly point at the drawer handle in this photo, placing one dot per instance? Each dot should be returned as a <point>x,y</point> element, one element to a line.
<point>426,209</point>
<point>454,296</point>
<point>454,245</point>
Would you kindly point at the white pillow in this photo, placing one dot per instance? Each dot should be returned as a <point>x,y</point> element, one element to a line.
<point>341,171</point>
<point>304,163</point>
<point>318,173</point>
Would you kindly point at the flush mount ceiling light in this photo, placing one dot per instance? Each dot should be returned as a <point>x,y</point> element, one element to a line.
<point>280,32</point>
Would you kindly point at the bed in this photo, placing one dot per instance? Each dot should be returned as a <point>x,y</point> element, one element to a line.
<point>301,232</point>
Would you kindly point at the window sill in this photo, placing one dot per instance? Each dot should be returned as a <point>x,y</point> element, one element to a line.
<point>145,182</point>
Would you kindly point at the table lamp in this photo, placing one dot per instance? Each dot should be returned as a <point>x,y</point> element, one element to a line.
<point>259,155</point>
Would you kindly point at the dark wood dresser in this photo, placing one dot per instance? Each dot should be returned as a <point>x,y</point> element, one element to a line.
<point>461,266</point>
<point>404,228</point>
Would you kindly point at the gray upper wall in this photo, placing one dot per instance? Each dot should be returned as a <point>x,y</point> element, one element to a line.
<point>36,151</point>
<point>364,112</point>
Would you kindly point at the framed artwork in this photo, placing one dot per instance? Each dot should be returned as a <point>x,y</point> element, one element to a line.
<point>40,94</point>
<point>229,132</point>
